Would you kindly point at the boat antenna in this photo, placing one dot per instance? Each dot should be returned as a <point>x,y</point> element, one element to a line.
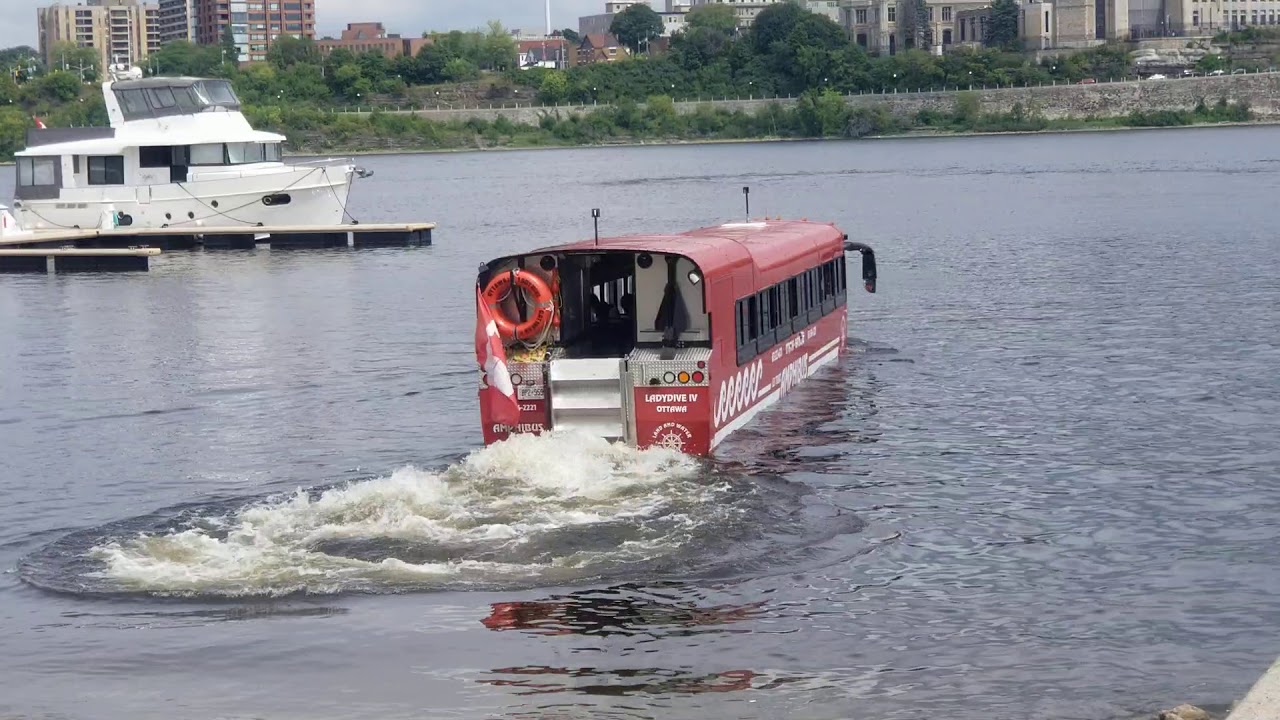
<point>595,220</point>
<point>746,196</point>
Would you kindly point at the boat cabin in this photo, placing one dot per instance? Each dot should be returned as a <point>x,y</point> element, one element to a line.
<point>668,340</point>
<point>163,130</point>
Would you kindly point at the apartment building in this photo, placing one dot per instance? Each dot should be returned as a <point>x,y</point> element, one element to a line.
<point>177,20</point>
<point>122,31</point>
<point>253,25</point>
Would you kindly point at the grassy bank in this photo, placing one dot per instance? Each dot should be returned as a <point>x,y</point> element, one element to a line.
<point>814,116</point>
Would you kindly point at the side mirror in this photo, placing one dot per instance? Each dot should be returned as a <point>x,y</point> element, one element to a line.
<point>868,264</point>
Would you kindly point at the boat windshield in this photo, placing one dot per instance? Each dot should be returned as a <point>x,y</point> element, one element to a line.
<point>158,97</point>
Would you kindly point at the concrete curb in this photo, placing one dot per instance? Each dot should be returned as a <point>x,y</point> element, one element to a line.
<point>1263,700</point>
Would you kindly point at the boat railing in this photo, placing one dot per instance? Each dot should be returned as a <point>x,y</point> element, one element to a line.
<point>325,162</point>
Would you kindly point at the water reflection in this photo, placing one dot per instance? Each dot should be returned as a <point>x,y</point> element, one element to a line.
<point>820,419</point>
<point>626,610</point>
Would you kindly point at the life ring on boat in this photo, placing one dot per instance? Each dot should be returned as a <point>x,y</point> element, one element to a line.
<point>538,294</point>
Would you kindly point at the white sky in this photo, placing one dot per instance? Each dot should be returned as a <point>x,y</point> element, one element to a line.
<point>407,17</point>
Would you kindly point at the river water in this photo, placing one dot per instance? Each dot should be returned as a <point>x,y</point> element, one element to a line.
<point>248,484</point>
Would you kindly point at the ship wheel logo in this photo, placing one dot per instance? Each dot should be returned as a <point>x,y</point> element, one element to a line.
<point>672,441</point>
<point>672,436</point>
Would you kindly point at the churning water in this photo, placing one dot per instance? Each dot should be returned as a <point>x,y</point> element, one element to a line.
<point>1041,484</point>
<point>560,509</point>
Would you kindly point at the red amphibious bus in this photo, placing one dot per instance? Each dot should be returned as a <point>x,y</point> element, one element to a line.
<point>667,340</point>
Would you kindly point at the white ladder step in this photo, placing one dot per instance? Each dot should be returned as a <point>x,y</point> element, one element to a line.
<point>607,430</point>
<point>586,370</point>
<point>567,399</point>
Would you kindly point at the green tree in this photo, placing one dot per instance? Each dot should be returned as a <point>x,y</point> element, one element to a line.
<point>571,35</point>
<point>288,50</point>
<point>13,131</point>
<point>499,49</point>
<point>58,86</point>
<point>432,61</point>
<point>554,89</point>
<point>231,51</point>
<point>183,58</point>
<point>917,26</point>
<point>1002,29</point>
<point>636,26</point>
<point>75,59</point>
<point>713,17</point>
<point>8,89</point>
<point>1210,62</point>
<point>460,70</point>
<point>19,53</point>
<point>774,24</point>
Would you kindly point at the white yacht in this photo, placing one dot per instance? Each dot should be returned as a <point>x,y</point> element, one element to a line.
<point>178,153</point>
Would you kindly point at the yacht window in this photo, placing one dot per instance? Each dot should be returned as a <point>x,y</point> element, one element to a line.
<point>274,153</point>
<point>37,171</point>
<point>208,154</point>
<point>244,153</point>
<point>155,157</point>
<point>106,170</point>
<point>134,102</point>
<point>186,100</point>
<point>220,92</point>
<point>161,98</point>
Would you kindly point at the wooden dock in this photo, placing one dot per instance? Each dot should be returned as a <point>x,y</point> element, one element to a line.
<point>231,238</point>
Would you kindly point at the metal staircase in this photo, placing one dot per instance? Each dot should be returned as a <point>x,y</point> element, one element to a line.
<point>587,395</point>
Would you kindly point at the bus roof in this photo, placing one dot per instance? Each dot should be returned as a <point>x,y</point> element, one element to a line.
<point>778,249</point>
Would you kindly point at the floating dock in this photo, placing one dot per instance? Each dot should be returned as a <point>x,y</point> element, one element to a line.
<point>70,260</point>
<point>238,237</point>
<point>127,249</point>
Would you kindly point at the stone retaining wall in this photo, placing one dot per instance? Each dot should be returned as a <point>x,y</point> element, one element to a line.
<point>1261,91</point>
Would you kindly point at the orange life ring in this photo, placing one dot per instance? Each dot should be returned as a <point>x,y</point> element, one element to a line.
<point>537,292</point>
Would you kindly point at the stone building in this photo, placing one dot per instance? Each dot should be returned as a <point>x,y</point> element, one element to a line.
<point>886,26</point>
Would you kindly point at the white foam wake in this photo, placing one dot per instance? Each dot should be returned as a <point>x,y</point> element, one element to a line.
<point>507,513</point>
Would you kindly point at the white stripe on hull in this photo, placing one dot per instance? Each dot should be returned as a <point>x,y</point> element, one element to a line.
<point>820,359</point>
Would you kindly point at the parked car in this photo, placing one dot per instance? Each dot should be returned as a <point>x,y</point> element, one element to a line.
<point>1087,81</point>
<point>1218,72</point>
<point>1156,76</point>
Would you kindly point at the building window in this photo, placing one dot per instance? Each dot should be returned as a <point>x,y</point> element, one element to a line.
<point>929,13</point>
<point>946,37</point>
<point>1195,18</point>
<point>946,13</point>
<point>893,13</point>
<point>106,170</point>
